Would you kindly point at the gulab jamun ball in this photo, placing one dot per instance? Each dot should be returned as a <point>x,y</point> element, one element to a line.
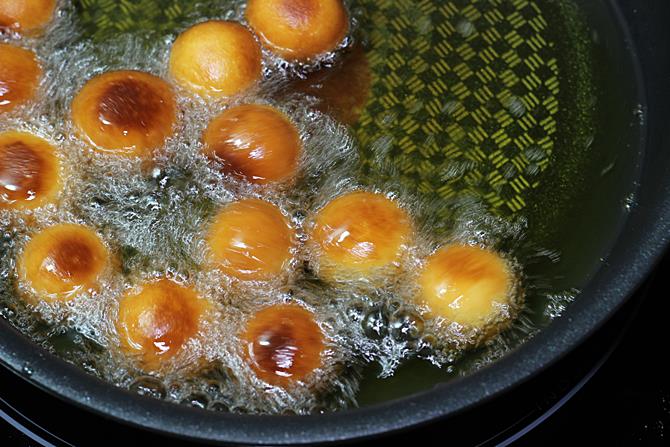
<point>125,112</point>
<point>256,142</point>
<point>468,285</point>
<point>29,171</point>
<point>250,240</point>
<point>157,320</point>
<point>63,260</point>
<point>299,29</point>
<point>20,75</point>
<point>216,59</point>
<point>283,344</point>
<point>26,16</point>
<point>358,233</point>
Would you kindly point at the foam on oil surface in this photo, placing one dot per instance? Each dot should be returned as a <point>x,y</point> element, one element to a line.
<point>153,217</point>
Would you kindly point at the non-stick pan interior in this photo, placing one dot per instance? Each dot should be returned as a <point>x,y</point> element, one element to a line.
<point>589,186</point>
<point>586,185</point>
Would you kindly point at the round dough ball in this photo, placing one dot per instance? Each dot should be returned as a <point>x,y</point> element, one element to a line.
<point>20,75</point>
<point>26,16</point>
<point>216,59</point>
<point>283,344</point>
<point>250,240</point>
<point>125,112</point>
<point>358,234</point>
<point>62,261</point>
<point>156,321</point>
<point>468,285</point>
<point>299,29</point>
<point>256,142</point>
<point>29,171</point>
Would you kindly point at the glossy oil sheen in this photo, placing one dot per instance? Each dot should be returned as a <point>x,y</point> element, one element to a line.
<point>256,142</point>
<point>284,344</point>
<point>155,322</point>
<point>250,239</point>
<point>358,232</point>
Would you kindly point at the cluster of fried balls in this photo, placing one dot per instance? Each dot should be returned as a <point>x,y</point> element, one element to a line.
<point>359,234</point>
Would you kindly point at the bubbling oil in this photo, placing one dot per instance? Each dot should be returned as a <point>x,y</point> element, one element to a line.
<point>152,215</point>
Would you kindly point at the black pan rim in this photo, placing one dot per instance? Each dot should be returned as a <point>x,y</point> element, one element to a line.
<point>607,291</point>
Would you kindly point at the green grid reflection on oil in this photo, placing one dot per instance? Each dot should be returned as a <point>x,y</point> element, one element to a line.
<point>464,93</point>
<point>464,96</point>
<point>104,18</point>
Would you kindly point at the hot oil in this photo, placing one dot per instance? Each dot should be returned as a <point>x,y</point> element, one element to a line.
<point>153,216</point>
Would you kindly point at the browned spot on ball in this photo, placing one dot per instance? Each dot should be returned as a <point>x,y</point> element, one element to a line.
<point>360,235</point>
<point>20,74</point>
<point>169,325</point>
<point>20,169</point>
<point>255,142</point>
<point>468,285</point>
<point>277,349</point>
<point>70,259</point>
<point>129,103</point>
<point>298,12</point>
<point>284,344</point>
<point>156,321</point>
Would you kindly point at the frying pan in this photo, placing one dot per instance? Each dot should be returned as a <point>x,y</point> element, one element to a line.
<point>612,246</point>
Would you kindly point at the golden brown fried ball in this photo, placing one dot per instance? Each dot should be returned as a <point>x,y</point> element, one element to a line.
<point>20,75</point>
<point>155,322</point>
<point>216,59</point>
<point>251,240</point>
<point>26,16</point>
<point>29,171</point>
<point>283,344</point>
<point>63,260</point>
<point>256,142</point>
<point>299,29</point>
<point>358,233</point>
<point>125,112</point>
<point>468,285</point>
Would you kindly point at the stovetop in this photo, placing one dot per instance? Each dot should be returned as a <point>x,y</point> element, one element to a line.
<point>614,390</point>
